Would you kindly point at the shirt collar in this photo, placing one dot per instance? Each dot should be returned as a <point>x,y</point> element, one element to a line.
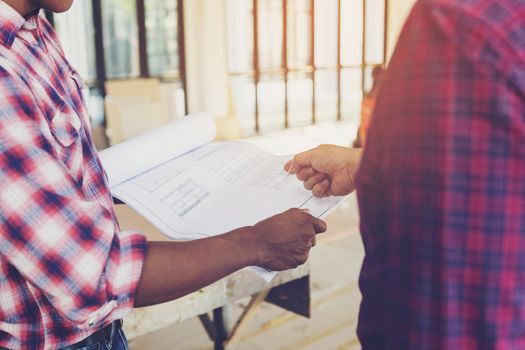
<point>11,22</point>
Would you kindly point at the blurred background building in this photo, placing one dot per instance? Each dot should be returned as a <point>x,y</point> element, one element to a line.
<point>256,65</point>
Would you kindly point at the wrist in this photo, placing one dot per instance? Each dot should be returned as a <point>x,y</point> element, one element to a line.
<point>249,247</point>
<point>353,160</point>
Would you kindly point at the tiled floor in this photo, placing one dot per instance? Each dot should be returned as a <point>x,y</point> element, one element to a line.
<point>335,264</point>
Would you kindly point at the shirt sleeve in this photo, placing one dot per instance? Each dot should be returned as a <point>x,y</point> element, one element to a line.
<point>65,245</point>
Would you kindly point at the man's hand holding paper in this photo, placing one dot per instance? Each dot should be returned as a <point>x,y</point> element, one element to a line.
<point>285,239</point>
<point>326,170</point>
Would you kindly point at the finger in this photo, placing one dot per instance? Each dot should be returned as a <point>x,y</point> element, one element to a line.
<point>321,189</point>
<point>288,165</point>
<point>299,161</point>
<point>291,167</point>
<point>319,225</point>
<point>304,159</point>
<point>305,173</point>
<point>314,180</point>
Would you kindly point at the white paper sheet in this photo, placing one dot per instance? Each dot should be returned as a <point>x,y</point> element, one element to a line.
<point>217,188</point>
<point>189,187</point>
<point>134,156</point>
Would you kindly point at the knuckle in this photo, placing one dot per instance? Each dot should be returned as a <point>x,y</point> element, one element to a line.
<point>305,218</point>
<point>295,211</point>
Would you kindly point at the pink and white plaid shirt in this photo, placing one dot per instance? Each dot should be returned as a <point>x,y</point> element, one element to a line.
<point>66,270</point>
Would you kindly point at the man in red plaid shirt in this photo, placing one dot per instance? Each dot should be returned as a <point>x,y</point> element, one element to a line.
<point>441,185</point>
<point>67,273</point>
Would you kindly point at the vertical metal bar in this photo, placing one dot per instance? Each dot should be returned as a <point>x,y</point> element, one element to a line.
<point>339,97</point>
<point>285,61</point>
<point>363,52</point>
<point>182,51</point>
<point>143,50</point>
<point>99,48</point>
<point>385,35</point>
<point>99,59</point>
<point>312,56</point>
<point>256,62</point>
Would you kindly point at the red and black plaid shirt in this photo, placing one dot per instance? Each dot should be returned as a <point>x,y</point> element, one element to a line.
<point>442,183</point>
<point>65,269</point>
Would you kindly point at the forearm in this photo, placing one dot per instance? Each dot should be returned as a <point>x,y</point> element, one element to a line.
<point>174,269</point>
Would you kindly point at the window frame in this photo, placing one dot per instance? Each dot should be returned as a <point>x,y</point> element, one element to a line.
<point>311,68</point>
<point>140,16</point>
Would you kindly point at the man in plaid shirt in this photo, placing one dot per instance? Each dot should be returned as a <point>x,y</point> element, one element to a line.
<point>66,271</point>
<point>441,186</point>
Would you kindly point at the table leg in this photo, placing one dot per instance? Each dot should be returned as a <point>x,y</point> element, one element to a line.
<point>220,328</point>
<point>208,325</point>
<point>245,318</point>
<point>293,296</point>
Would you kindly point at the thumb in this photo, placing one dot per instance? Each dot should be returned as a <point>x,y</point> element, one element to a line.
<point>300,160</point>
<point>288,165</point>
<point>319,225</point>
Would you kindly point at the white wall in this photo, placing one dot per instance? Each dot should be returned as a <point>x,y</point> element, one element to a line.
<point>398,11</point>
